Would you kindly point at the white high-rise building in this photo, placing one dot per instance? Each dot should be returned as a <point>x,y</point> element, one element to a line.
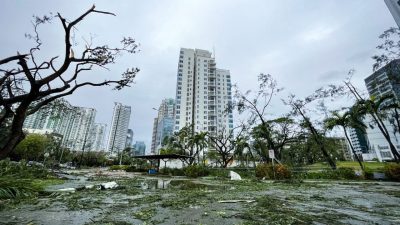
<point>75,125</point>
<point>97,136</point>
<point>203,93</point>
<point>77,132</point>
<point>36,120</point>
<point>50,118</point>
<point>119,128</point>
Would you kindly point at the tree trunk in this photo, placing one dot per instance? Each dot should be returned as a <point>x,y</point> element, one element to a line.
<point>316,137</point>
<point>352,149</point>
<point>325,153</point>
<point>397,118</point>
<point>16,134</point>
<point>395,152</point>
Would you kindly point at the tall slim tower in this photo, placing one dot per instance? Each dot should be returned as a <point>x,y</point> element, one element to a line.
<point>203,93</point>
<point>119,128</point>
<point>163,125</point>
<point>97,135</point>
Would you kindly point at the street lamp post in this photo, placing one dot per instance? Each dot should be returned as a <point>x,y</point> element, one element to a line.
<point>120,158</point>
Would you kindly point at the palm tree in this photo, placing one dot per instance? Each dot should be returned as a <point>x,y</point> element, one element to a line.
<point>349,119</point>
<point>377,109</point>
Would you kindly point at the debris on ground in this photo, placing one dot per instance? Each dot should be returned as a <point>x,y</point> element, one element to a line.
<point>237,200</point>
<point>234,175</point>
<point>89,186</point>
<point>67,190</point>
<point>108,185</point>
<point>102,186</point>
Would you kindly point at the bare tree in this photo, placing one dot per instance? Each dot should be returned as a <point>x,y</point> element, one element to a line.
<point>224,142</point>
<point>26,85</point>
<point>275,133</point>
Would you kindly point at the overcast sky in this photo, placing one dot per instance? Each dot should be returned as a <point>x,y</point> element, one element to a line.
<point>304,44</point>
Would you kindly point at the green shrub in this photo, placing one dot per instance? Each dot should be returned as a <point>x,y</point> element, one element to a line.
<point>118,167</point>
<point>135,169</point>
<point>22,170</point>
<point>282,172</point>
<point>264,170</point>
<point>345,173</point>
<point>392,171</point>
<point>368,174</point>
<point>172,171</point>
<point>196,171</point>
<point>267,170</point>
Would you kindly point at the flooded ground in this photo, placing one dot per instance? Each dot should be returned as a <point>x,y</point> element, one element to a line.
<point>177,200</point>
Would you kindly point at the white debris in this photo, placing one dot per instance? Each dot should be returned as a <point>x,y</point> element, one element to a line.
<point>234,175</point>
<point>235,201</point>
<point>89,186</point>
<point>67,190</point>
<point>108,185</point>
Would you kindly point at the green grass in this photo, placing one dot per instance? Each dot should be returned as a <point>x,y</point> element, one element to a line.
<point>374,166</point>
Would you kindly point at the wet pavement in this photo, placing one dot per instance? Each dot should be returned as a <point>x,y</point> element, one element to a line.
<point>177,200</point>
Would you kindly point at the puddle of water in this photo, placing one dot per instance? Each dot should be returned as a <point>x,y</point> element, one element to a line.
<point>155,184</point>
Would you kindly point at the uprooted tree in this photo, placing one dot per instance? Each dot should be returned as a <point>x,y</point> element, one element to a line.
<point>28,84</point>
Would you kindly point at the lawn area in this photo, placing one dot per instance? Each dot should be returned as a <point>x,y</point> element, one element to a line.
<point>374,166</point>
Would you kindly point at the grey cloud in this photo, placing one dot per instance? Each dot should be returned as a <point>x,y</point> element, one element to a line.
<point>304,44</point>
<point>333,75</point>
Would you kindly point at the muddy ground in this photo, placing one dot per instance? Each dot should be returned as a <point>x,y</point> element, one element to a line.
<point>178,200</point>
